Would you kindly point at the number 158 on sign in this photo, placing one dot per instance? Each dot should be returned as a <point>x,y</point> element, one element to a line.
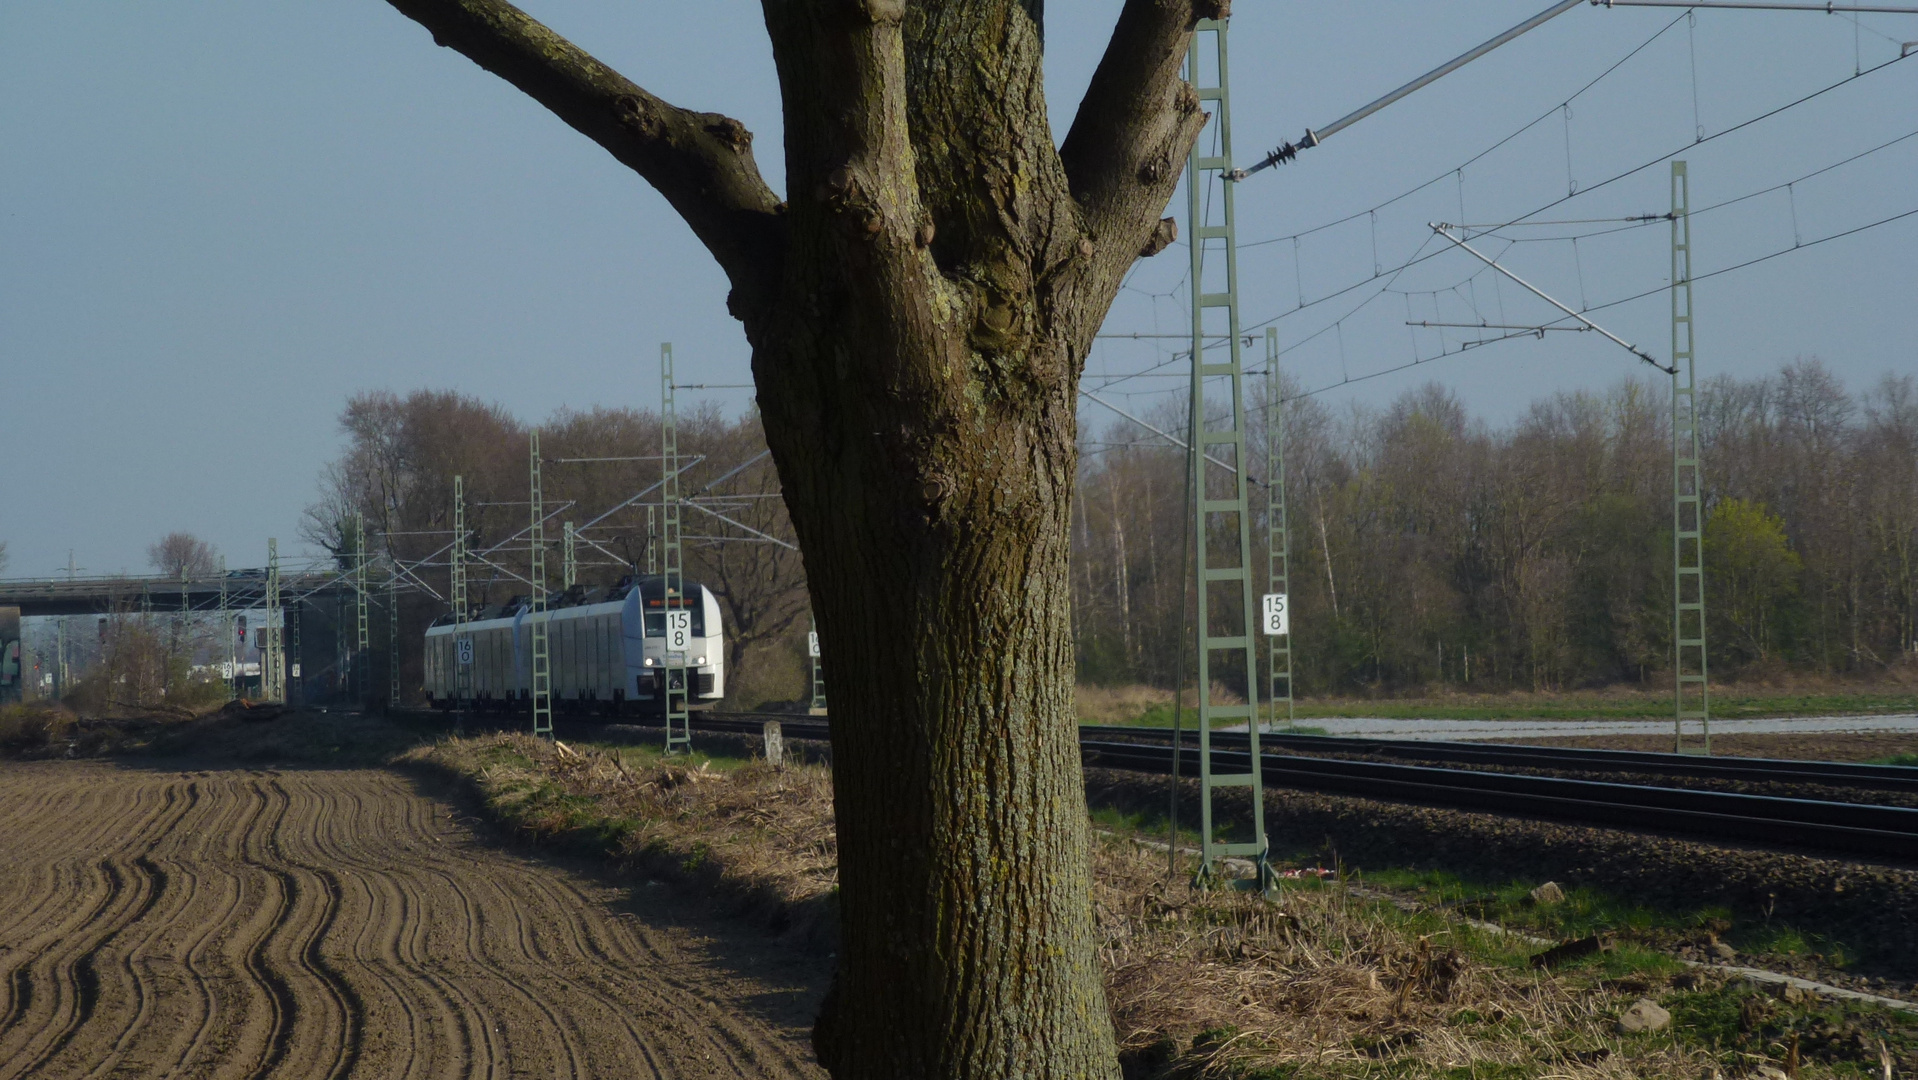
<point>1278,616</point>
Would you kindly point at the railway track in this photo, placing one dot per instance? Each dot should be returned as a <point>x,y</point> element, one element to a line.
<point>1885,832</point>
<point>1565,758</point>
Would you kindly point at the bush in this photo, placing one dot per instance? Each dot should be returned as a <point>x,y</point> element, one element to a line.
<point>33,729</point>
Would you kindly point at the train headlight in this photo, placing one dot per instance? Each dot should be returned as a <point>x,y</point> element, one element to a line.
<point>649,661</point>
<point>699,659</point>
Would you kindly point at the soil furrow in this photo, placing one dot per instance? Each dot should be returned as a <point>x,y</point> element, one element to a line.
<point>327,924</point>
<point>197,956</point>
<point>388,946</point>
<point>71,973</point>
<point>312,904</point>
<point>475,925</point>
<point>47,873</point>
<point>259,961</point>
<point>150,922</point>
<point>746,1052</point>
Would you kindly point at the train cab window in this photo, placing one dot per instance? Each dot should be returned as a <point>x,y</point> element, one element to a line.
<point>656,620</point>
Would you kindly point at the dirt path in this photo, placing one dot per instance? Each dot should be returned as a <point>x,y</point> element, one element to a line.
<point>233,923</point>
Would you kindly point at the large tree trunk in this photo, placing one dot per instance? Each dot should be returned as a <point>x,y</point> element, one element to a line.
<point>962,833</point>
<point>920,308</point>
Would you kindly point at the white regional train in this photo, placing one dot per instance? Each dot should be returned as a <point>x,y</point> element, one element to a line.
<point>607,652</point>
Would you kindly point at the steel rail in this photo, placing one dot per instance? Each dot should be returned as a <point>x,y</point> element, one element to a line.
<point>1879,831</point>
<point>1882,832</point>
<point>1757,770</point>
<point>1843,774</point>
<point>1861,828</point>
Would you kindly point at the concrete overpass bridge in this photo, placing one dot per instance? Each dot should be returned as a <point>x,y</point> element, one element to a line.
<point>104,594</point>
<point>317,610</point>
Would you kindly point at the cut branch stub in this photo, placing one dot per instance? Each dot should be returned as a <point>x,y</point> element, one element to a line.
<point>1161,238</point>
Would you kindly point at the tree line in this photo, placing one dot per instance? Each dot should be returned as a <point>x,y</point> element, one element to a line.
<point>397,469</point>
<point>1429,549</point>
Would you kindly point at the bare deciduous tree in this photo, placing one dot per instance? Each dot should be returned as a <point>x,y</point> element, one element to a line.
<point>180,554</point>
<point>920,304</point>
<point>1543,550</point>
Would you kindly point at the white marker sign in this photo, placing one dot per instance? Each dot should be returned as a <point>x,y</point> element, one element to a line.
<point>679,630</point>
<point>812,644</point>
<point>465,650</point>
<point>1278,616</point>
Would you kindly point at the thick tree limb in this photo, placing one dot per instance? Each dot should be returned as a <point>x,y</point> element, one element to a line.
<point>701,162</point>
<point>1136,122</point>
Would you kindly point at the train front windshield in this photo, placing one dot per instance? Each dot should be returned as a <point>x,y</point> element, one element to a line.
<point>656,620</point>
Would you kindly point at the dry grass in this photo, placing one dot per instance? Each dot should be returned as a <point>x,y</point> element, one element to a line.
<point>757,835</point>
<point>1321,984</point>
<point>1119,704</point>
<point>1225,983</point>
<point>34,729</point>
<point>1778,693</point>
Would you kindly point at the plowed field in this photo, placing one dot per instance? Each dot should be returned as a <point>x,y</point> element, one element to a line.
<point>335,923</point>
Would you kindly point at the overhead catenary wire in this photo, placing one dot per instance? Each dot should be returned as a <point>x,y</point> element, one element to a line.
<point>1536,291</point>
<point>1456,170</point>
<point>1421,256</point>
<point>1496,326</point>
<point>1525,221</point>
<point>1174,439</point>
<point>1760,259</point>
<point>1762,5</point>
<point>1311,138</point>
<point>1529,332</point>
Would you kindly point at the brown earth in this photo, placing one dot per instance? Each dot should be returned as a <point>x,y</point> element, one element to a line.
<point>1860,746</point>
<point>327,923</point>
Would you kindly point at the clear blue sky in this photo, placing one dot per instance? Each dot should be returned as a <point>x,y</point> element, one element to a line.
<point>218,220</point>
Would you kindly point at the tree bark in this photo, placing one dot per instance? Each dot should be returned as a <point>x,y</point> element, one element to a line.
<point>920,308</point>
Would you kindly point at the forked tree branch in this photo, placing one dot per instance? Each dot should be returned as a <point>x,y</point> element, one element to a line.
<point>1136,122</point>
<point>701,162</point>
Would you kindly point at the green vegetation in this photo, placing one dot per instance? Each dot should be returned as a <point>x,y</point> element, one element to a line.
<point>651,755</point>
<point>1896,759</point>
<point>1161,716</point>
<point>1722,1024</point>
<point>1740,1020</point>
<point>1432,551</point>
<point>1753,576</point>
<point>1585,912</point>
<point>1727,703</point>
